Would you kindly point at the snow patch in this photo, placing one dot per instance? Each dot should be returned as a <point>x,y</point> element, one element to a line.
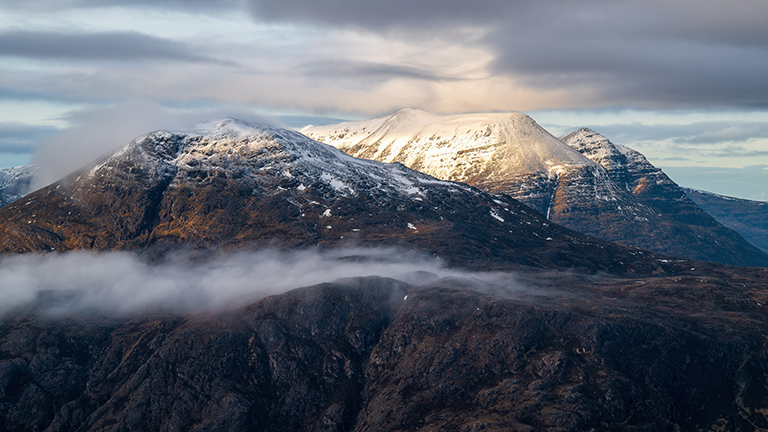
<point>496,216</point>
<point>336,184</point>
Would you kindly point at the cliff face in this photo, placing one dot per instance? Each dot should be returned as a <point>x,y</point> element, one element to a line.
<point>358,355</point>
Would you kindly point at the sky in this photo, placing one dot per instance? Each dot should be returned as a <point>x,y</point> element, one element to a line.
<point>682,81</point>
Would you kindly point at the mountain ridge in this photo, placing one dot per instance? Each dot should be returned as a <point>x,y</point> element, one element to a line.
<point>558,178</point>
<point>378,354</point>
<point>272,186</point>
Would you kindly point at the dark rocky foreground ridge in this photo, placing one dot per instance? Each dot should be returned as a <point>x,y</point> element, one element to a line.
<point>562,353</point>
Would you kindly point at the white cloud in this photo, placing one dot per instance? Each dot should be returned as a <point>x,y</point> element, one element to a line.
<point>121,283</point>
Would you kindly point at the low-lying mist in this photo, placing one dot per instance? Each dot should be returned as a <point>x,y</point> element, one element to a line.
<point>122,283</point>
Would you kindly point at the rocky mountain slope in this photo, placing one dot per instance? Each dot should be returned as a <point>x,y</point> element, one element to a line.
<point>675,225</point>
<point>232,184</point>
<point>15,182</point>
<point>375,354</point>
<point>746,217</point>
<point>582,182</point>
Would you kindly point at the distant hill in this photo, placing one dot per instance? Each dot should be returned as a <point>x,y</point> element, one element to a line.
<point>15,182</point>
<point>746,217</point>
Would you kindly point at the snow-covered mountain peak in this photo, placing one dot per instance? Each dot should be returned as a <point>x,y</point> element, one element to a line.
<point>596,147</point>
<point>228,138</point>
<point>486,147</point>
<point>265,154</point>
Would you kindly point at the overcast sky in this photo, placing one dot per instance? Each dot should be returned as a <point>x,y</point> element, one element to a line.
<point>683,81</point>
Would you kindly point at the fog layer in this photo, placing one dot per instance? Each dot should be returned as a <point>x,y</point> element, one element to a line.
<point>121,283</point>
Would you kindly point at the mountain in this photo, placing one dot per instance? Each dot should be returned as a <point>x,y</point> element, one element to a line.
<point>677,226</point>
<point>376,354</point>
<point>746,217</point>
<point>581,181</point>
<point>15,182</point>
<point>235,185</point>
<point>542,329</point>
<point>501,153</point>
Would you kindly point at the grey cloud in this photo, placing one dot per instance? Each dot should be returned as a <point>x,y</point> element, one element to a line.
<point>383,15</point>
<point>714,133</point>
<point>26,94</point>
<point>95,46</point>
<point>653,53</point>
<point>22,138</point>
<point>592,53</point>
<point>735,151</point>
<point>699,134</point>
<point>642,66</point>
<point>673,159</point>
<point>714,152</point>
<point>384,71</point>
<point>57,5</point>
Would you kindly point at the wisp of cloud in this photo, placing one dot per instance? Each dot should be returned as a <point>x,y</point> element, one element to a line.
<point>122,283</point>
